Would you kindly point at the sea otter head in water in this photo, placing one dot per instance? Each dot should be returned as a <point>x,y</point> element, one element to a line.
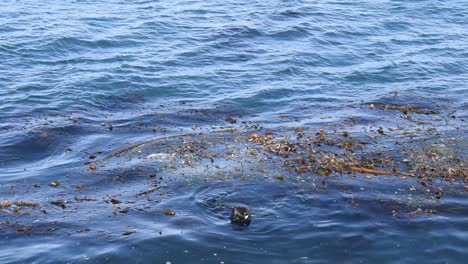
<point>240,216</point>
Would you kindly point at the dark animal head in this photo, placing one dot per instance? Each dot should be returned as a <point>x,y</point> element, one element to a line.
<point>241,216</point>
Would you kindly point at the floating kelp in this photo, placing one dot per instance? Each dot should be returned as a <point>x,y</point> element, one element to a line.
<point>54,184</point>
<point>86,198</point>
<point>8,203</point>
<point>305,151</point>
<point>169,212</point>
<point>26,203</point>
<point>5,203</point>
<point>127,233</point>
<point>405,109</point>
<point>138,176</point>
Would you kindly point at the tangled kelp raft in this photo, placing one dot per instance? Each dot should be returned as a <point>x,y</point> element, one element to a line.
<point>348,148</point>
<point>424,153</point>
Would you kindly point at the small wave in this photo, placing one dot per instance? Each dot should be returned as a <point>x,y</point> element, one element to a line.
<point>294,32</point>
<point>234,32</point>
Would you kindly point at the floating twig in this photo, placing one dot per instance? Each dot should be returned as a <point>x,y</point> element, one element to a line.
<point>372,171</point>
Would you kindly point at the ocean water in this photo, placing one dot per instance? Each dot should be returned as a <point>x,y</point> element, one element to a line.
<point>80,80</point>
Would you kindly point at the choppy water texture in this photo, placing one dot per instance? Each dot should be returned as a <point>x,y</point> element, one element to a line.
<point>82,79</point>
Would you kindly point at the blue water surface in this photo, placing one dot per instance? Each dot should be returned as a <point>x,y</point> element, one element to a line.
<point>85,78</point>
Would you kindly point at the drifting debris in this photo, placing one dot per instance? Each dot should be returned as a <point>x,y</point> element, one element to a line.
<point>26,203</point>
<point>420,211</point>
<point>84,199</point>
<point>169,212</point>
<point>5,203</point>
<point>231,119</point>
<point>407,108</point>
<point>381,131</point>
<point>127,233</point>
<point>372,171</point>
<point>147,191</point>
<point>24,229</point>
<point>61,203</point>
<point>114,201</point>
<point>310,155</point>
<point>54,184</point>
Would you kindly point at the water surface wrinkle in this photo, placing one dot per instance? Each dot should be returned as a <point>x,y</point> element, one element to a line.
<point>203,83</point>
